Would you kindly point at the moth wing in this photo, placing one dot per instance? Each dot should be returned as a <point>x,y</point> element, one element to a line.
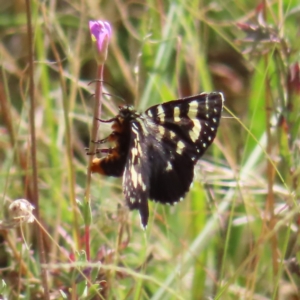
<point>136,175</point>
<point>192,120</point>
<point>181,131</point>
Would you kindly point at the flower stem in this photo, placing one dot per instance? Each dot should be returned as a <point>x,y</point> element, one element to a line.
<point>34,165</point>
<point>92,148</point>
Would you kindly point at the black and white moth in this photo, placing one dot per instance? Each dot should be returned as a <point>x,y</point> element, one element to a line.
<point>156,151</point>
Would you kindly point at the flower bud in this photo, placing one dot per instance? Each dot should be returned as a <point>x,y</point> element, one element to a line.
<point>101,34</point>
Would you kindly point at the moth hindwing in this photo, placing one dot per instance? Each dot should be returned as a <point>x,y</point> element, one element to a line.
<point>156,151</point>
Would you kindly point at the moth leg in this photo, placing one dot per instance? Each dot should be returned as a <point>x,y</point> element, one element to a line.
<point>107,121</point>
<point>112,137</point>
<point>102,141</point>
<point>99,150</point>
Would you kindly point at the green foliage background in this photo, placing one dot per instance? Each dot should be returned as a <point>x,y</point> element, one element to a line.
<point>236,234</point>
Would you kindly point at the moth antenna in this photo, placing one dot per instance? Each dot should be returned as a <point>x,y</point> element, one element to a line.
<point>115,96</point>
<point>111,95</point>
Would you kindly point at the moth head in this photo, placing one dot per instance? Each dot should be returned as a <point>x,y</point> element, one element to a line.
<point>127,112</point>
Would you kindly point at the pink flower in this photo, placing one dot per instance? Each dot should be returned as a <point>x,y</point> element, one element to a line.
<point>101,33</point>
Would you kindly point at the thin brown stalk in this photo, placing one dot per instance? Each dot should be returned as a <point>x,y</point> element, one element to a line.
<point>35,193</point>
<point>6,115</point>
<point>71,172</point>
<point>270,170</point>
<point>94,137</point>
<point>270,173</point>
<point>16,254</point>
<point>270,179</point>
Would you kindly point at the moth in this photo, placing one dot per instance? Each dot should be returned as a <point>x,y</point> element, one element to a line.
<point>156,151</point>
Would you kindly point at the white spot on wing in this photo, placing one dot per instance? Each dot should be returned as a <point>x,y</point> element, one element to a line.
<point>195,131</point>
<point>206,102</point>
<point>140,182</point>
<point>193,109</point>
<point>160,113</point>
<point>144,128</point>
<point>161,130</point>
<point>150,114</point>
<point>169,166</point>
<point>176,114</point>
<point>179,147</point>
<point>134,152</point>
<point>172,135</point>
<point>134,176</point>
